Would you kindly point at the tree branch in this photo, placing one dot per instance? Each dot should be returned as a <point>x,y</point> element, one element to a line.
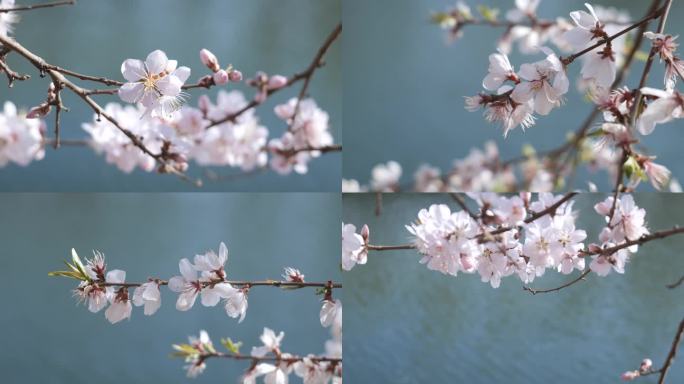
<point>37,6</point>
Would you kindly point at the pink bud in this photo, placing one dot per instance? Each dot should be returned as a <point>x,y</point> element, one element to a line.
<point>365,233</point>
<point>277,82</point>
<point>235,76</point>
<point>209,60</point>
<point>221,77</point>
<point>629,375</point>
<point>646,365</point>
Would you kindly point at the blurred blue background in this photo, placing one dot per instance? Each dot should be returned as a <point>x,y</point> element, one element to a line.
<point>404,88</point>
<point>407,324</point>
<point>49,339</point>
<point>96,36</point>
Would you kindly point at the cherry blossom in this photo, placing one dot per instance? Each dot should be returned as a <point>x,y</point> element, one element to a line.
<point>666,46</point>
<point>308,128</point>
<point>445,239</point>
<point>212,273</point>
<point>500,71</point>
<point>148,295</point>
<point>188,285</point>
<point>293,275</point>
<point>120,307</point>
<point>21,139</point>
<point>7,18</point>
<point>599,65</point>
<point>353,247</point>
<point>544,81</point>
<point>155,83</point>
<point>271,343</point>
<point>385,177</point>
<point>667,106</point>
<point>236,302</point>
<point>331,311</point>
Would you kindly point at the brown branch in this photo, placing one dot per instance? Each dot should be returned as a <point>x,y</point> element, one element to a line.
<point>264,283</point>
<point>579,278</point>
<point>642,240</point>
<point>59,78</point>
<point>12,76</point>
<point>459,200</point>
<point>37,6</point>
<point>649,62</point>
<point>306,74</point>
<point>309,72</point>
<point>658,13</point>
<point>676,283</point>
<point>672,354</point>
<point>371,247</point>
<point>292,359</point>
<point>323,149</point>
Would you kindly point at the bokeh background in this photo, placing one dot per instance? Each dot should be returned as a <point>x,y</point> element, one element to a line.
<point>96,36</point>
<point>50,339</point>
<point>407,324</point>
<point>404,88</point>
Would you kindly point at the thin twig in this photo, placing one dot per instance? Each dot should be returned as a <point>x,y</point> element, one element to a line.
<point>306,74</point>
<point>676,283</point>
<point>579,278</point>
<point>37,6</point>
<point>292,359</point>
<point>263,283</point>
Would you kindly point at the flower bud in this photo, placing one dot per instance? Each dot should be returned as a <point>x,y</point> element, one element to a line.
<point>365,233</point>
<point>629,375</point>
<point>277,82</point>
<point>646,365</point>
<point>235,76</point>
<point>209,60</point>
<point>221,77</point>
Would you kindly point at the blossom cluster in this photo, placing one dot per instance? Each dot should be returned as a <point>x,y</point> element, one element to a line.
<point>540,86</point>
<point>309,368</point>
<point>205,277</point>
<point>484,170</point>
<point>515,235</point>
<point>226,132</point>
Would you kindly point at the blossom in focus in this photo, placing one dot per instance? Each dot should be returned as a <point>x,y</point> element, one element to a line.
<point>155,83</point>
<point>669,105</point>
<point>236,303</point>
<point>500,71</point>
<point>353,247</point>
<point>544,81</point>
<point>120,307</point>
<point>599,64</point>
<point>210,265</point>
<point>148,295</point>
<point>187,284</point>
<point>21,139</point>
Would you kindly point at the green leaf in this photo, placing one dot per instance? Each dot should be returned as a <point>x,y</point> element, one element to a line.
<point>78,264</point>
<point>232,346</point>
<point>70,274</point>
<point>488,13</point>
